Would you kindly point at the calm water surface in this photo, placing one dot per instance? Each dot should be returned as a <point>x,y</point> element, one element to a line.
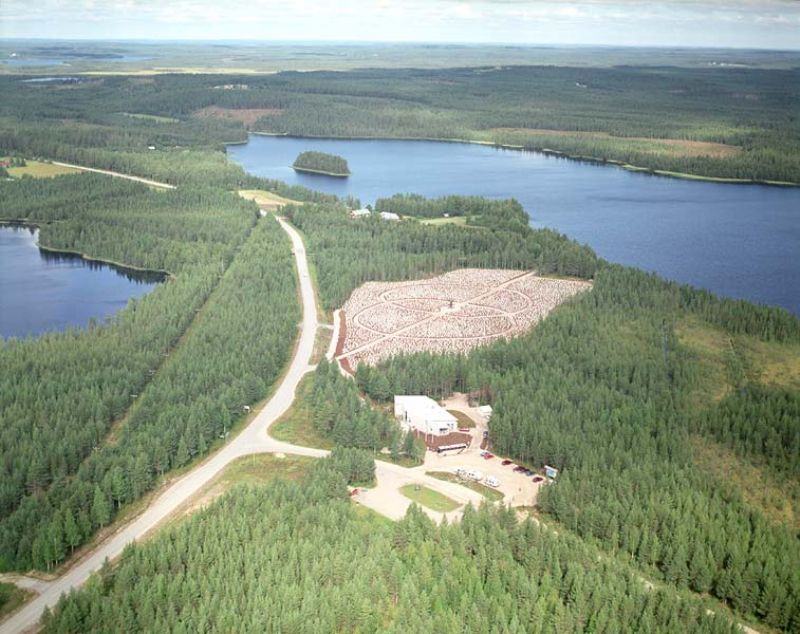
<point>742,241</point>
<point>41,291</point>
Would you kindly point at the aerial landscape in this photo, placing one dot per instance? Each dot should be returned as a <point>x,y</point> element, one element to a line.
<point>454,316</point>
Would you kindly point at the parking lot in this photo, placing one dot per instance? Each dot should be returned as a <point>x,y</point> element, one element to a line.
<point>517,488</point>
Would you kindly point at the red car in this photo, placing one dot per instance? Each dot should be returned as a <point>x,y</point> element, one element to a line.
<point>488,456</point>
<point>505,463</point>
<point>538,478</point>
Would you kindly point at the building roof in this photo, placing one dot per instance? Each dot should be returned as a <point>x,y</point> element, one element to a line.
<point>360,212</point>
<point>389,215</point>
<point>424,405</point>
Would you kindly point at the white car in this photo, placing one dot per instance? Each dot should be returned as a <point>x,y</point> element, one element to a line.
<point>492,481</point>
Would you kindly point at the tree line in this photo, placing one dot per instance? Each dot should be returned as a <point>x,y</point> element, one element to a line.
<point>293,557</point>
<point>348,253</point>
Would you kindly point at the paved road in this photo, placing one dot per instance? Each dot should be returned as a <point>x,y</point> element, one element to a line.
<point>253,439</point>
<point>127,177</point>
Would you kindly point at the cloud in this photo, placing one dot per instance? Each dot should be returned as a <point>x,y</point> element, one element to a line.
<point>667,22</point>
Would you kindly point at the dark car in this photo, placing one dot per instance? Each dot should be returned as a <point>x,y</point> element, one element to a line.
<point>488,456</point>
<point>519,469</point>
<point>538,478</point>
<point>528,472</point>
<point>505,463</point>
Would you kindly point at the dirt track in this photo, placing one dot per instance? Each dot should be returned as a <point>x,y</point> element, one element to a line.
<point>127,177</point>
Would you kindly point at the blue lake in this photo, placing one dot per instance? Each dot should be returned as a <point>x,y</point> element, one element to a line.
<point>741,241</point>
<point>42,291</point>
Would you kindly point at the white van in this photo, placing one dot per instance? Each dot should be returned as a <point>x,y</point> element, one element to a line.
<point>492,481</point>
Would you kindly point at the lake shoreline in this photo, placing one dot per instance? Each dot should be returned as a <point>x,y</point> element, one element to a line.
<point>546,151</point>
<point>309,170</point>
<point>113,263</point>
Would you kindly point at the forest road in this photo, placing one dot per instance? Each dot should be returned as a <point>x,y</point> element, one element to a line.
<point>127,177</point>
<point>253,439</point>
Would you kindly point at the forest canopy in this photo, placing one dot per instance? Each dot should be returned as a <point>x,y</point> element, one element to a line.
<point>321,163</point>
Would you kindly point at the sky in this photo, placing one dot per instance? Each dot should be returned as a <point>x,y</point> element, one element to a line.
<point>731,23</point>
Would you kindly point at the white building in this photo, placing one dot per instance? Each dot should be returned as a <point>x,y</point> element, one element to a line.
<point>424,414</point>
<point>359,213</point>
<point>388,215</point>
<point>485,411</point>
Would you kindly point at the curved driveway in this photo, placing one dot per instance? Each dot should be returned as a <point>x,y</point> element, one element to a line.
<point>253,439</point>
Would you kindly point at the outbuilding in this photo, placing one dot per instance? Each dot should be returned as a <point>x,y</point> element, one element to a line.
<point>424,414</point>
<point>360,213</point>
<point>389,215</point>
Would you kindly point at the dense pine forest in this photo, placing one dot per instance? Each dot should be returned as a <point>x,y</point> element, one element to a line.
<point>636,390</point>
<point>306,561</point>
<point>721,122</point>
<point>606,390</point>
<point>91,419</point>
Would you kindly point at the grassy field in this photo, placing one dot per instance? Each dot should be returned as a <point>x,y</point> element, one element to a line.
<point>778,501</point>
<point>11,597</point>
<point>150,117</point>
<point>266,199</point>
<point>263,469</point>
<point>454,220</point>
<point>429,498</point>
<point>463,419</point>
<point>321,344</point>
<point>40,169</point>
<point>727,362</point>
<point>493,495</point>
<point>296,425</point>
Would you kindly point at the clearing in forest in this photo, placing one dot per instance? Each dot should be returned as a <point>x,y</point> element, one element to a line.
<point>267,200</point>
<point>40,169</point>
<point>247,116</point>
<point>454,312</point>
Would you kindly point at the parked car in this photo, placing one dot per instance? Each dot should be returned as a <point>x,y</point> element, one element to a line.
<point>488,456</point>
<point>492,481</point>
<point>464,430</point>
<point>475,475</point>
<point>506,462</point>
<point>519,469</point>
<point>528,472</point>
<point>538,478</point>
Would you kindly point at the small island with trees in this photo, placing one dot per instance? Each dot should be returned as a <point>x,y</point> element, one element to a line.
<point>321,163</point>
